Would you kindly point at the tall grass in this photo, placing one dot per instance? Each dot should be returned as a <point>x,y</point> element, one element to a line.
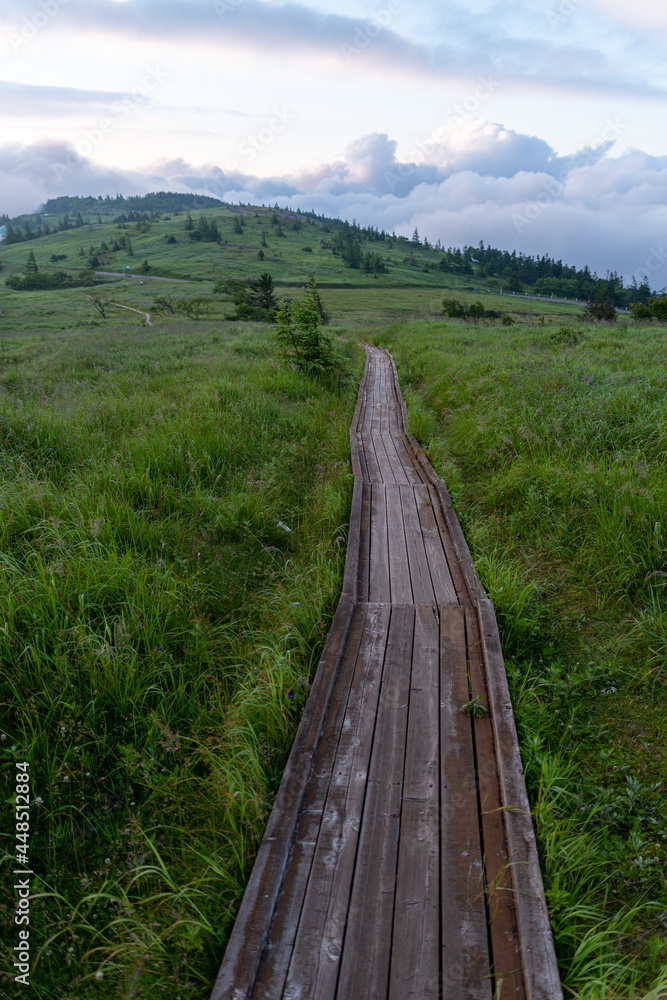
<point>552,443</point>
<point>172,511</point>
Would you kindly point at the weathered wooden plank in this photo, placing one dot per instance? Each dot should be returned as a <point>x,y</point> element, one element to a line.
<point>251,929</point>
<point>399,567</point>
<point>455,571</point>
<point>357,421</point>
<point>415,959</point>
<point>397,391</point>
<point>466,963</point>
<point>353,555</point>
<point>362,462</point>
<point>272,972</point>
<point>365,544</point>
<point>383,460</point>
<point>369,393</point>
<point>420,574</point>
<point>438,565</point>
<point>364,970</point>
<point>313,971</point>
<point>385,389</point>
<point>377,397</point>
<point>372,465</point>
<point>407,461</point>
<point>500,888</point>
<point>536,940</point>
<point>402,475</point>
<point>379,588</point>
<point>460,546</point>
<point>419,461</point>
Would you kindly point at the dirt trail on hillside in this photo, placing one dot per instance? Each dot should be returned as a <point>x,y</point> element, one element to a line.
<point>140,311</point>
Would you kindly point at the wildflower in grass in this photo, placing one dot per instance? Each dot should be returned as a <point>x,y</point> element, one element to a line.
<point>291,695</point>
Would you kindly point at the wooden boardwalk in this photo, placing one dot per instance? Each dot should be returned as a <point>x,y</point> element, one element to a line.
<point>399,860</point>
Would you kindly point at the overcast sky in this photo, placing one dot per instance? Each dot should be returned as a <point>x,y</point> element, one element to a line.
<point>534,125</point>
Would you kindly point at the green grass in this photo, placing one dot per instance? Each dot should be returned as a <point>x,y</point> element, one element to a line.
<point>552,443</point>
<point>159,629</point>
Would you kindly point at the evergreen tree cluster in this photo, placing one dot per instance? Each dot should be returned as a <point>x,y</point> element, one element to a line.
<point>205,231</point>
<point>253,300</point>
<point>347,244</point>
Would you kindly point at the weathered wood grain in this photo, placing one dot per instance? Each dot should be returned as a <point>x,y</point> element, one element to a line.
<point>500,889</point>
<point>418,559</point>
<point>250,933</point>
<point>379,588</point>
<point>314,966</point>
<point>272,971</point>
<point>453,564</point>
<point>399,565</point>
<point>415,959</point>
<point>536,941</point>
<point>438,564</point>
<point>364,544</point>
<point>466,967</point>
<point>353,556</point>
<point>366,955</point>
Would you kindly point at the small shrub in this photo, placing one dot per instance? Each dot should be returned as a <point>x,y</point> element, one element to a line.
<point>565,335</point>
<point>305,345</point>
<point>601,309</point>
<point>453,309</point>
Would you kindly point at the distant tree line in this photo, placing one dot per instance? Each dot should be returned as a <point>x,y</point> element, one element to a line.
<point>157,201</point>
<point>359,247</point>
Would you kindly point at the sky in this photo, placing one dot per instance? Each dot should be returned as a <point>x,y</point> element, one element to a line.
<point>536,125</point>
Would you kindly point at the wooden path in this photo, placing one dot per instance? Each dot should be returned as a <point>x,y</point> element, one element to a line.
<point>399,860</point>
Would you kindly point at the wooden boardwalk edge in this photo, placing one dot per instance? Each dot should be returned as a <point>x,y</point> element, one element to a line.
<point>535,936</point>
<point>538,952</point>
<point>252,928</point>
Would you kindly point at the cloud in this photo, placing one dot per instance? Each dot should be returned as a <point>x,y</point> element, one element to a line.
<point>649,13</point>
<point>27,99</point>
<point>31,174</point>
<point>361,43</point>
<point>478,181</point>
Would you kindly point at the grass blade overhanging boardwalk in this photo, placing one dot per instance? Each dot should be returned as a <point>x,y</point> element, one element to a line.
<point>399,860</point>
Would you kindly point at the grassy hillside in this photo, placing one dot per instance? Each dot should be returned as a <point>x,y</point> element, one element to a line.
<point>290,253</point>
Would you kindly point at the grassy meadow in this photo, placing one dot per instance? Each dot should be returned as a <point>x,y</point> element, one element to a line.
<point>552,441</point>
<point>173,517</point>
<point>173,511</point>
